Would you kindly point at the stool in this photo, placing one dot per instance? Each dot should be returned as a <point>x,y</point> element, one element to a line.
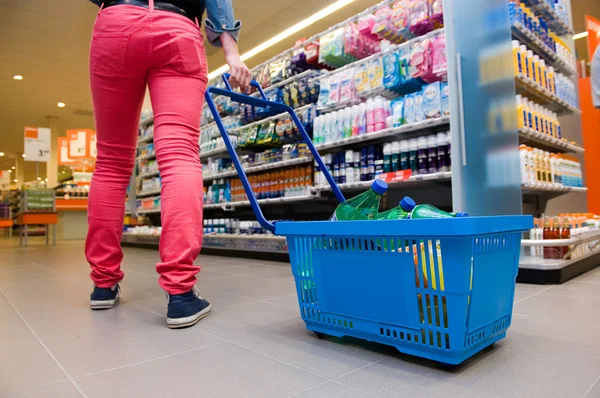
<point>8,224</point>
<point>37,218</point>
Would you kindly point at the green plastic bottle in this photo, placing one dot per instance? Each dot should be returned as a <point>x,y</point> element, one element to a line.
<point>362,207</point>
<point>429,211</point>
<point>400,212</point>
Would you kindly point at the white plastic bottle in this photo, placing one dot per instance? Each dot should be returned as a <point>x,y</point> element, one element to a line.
<point>524,159</point>
<point>349,170</point>
<point>347,124</point>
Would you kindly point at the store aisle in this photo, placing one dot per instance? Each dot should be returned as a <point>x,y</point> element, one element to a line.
<point>254,343</point>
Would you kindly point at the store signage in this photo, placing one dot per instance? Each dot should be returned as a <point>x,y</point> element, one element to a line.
<point>37,144</point>
<point>592,25</point>
<point>82,144</point>
<point>63,152</point>
<point>4,180</point>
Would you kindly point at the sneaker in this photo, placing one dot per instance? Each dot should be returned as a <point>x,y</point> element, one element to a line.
<point>103,298</point>
<point>186,309</point>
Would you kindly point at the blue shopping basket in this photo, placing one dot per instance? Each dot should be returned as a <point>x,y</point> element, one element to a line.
<point>441,289</point>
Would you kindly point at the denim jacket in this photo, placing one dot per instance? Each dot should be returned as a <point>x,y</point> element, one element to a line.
<point>219,19</point>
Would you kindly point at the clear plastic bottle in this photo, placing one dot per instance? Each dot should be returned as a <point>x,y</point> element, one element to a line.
<point>429,211</point>
<point>362,119</point>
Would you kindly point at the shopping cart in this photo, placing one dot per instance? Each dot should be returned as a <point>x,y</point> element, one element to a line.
<point>441,289</point>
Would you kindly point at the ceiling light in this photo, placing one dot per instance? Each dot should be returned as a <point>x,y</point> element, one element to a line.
<point>39,178</point>
<point>9,171</point>
<point>15,180</point>
<point>61,104</point>
<point>18,77</point>
<point>13,167</point>
<point>580,35</point>
<point>1,153</point>
<point>286,33</point>
<point>46,180</point>
<point>23,155</point>
<point>63,172</point>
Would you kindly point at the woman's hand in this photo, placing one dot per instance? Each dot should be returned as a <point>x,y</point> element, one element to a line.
<point>240,74</point>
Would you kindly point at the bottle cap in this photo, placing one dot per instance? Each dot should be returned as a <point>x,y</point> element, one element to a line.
<point>461,215</point>
<point>407,204</point>
<point>379,187</point>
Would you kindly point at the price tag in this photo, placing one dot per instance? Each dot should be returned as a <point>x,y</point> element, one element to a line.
<point>37,144</point>
<point>395,176</point>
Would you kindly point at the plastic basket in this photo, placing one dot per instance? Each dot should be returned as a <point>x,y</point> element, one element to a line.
<point>441,289</point>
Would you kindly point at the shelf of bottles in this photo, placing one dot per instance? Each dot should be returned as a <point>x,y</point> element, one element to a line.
<point>558,242</point>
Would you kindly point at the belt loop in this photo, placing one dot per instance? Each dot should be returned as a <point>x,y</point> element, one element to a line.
<point>151,5</point>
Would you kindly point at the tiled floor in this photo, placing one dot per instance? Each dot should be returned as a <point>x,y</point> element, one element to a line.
<point>254,343</point>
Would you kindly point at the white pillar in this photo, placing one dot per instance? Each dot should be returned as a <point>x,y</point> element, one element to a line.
<point>52,165</point>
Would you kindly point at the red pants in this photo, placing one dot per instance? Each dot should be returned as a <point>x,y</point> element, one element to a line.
<point>132,47</point>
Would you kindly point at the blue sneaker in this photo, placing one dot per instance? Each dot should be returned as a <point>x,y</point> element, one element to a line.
<point>186,309</point>
<point>103,298</point>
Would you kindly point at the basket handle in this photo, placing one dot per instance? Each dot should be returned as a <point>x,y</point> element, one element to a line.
<point>253,83</point>
<point>277,107</point>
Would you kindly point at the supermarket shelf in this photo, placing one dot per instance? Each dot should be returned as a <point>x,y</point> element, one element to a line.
<point>443,176</point>
<point>546,142</point>
<point>147,156</point>
<point>534,92</point>
<point>147,193</point>
<point>268,119</point>
<point>594,235</point>
<point>387,133</point>
<point>148,138</point>
<point>242,243</point>
<point>148,211</point>
<point>214,152</point>
<point>149,174</point>
<point>539,47</point>
<point>232,205</point>
<point>541,188</point>
<point>553,20</point>
<point>263,167</point>
<point>540,271</point>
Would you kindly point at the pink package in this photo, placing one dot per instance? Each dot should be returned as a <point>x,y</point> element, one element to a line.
<point>439,62</point>
<point>347,89</point>
<point>401,19</point>
<point>365,24</point>
<point>420,60</point>
<point>383,26</point>
<point>420,21</point>
<point>352,40</point>
<point>437,13</point>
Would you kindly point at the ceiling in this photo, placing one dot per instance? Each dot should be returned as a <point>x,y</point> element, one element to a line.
<point>48,42</point>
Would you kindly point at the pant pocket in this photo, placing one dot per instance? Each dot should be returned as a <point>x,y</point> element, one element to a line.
<point>108,53</point>
<point>187,54</point>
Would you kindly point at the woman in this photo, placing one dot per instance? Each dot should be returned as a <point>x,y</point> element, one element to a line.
<point>156,43</point>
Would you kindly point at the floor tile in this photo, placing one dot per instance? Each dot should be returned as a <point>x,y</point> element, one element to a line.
<point>595,390</point>
<point>290,301</point>
<point>332,390</point>
<point>25,366</point>
<point>584,290</point>
<point>256,288</point>
<point>276,271</point>
<point>494,373</point>
<point>220,371</point>
<point>83,320</point>
<point>560,308</point>
<point>63,389</point>
<point>111,348</point>
<point>14,331</point>
<point>592,276</point>
<point>530,288</point>
<point>572,343</point>
<point>327,358</point>
<point>247,320</point>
